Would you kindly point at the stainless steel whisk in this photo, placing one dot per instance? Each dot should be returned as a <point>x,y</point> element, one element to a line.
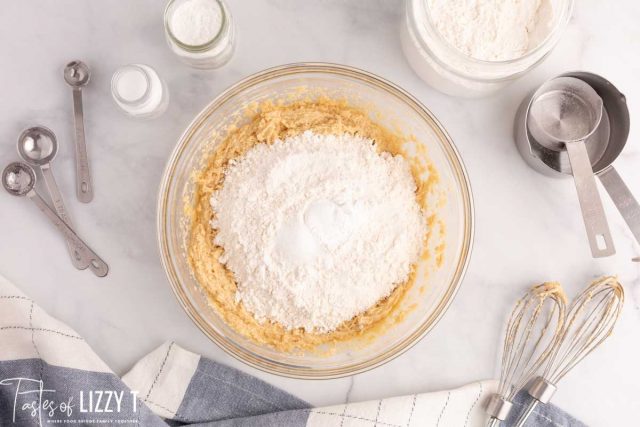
<point>532,332</point>
<point>589,322</point>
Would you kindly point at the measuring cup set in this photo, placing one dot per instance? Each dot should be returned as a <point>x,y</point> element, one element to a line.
<point>38,146</point>
<point>577,124</point>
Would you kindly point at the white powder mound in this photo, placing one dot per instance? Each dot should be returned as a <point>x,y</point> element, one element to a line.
<point>317,228</point>
<point>493,30</point>
<point>196,22</point>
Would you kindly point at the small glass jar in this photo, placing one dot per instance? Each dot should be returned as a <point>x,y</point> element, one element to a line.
<point>213,53</point>
<point>139,91</point>
<point>451,71</point>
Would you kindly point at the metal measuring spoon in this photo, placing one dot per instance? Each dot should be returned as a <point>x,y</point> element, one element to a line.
<point>38,147</point>
<point>563,113</point>
<point>77,74</point>
<point>19,179</point>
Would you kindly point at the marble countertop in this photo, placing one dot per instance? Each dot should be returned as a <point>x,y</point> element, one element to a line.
<point>528,226</point>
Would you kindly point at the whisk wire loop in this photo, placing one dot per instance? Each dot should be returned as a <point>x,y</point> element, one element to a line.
<point>531,334</point>
<point>590,320</point>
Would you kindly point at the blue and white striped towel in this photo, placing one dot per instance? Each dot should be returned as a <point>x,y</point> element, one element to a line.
<point>50,375</point>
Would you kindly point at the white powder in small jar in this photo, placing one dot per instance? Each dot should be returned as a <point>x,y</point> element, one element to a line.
<point>196,22</point>
<point>317,229</point>
<point>139,91</point>
<point>132,84</point>
<point>493,30</point>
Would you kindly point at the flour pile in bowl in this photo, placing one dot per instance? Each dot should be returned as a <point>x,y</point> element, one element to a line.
<point>317,228</point>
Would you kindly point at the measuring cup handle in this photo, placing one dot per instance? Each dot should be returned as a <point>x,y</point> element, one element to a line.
<point>595,220</point>
<point>623,199</point>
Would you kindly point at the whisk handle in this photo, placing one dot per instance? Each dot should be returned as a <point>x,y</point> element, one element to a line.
<point>525,415</point>
<point>541,391</point>
<point>498,409</point>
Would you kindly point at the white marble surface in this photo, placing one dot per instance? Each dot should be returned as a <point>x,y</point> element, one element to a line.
<point>528,226</point>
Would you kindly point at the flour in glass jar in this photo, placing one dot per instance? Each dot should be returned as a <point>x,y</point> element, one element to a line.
<point>493,30</point>
<point>316,229</point>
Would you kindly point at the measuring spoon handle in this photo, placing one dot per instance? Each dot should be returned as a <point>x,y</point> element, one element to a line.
<point>593,213</point>
<point>97,265</point>
<point>77,259</point>
<point>84,187</point>
<point>623,199</point>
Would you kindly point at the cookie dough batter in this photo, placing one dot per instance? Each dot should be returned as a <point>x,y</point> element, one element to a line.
<point>269,123</point>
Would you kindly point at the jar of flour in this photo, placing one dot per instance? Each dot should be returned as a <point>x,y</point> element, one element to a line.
<point>472,48</point>
<point>200,32</point>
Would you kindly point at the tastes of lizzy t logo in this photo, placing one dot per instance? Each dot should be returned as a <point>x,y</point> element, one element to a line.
<point>32,399</point>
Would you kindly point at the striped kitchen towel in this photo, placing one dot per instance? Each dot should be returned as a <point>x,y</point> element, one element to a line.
<point>50,375</point>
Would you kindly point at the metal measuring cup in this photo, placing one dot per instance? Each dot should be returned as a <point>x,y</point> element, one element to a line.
<point>603,146</point>
<point>562,114</point>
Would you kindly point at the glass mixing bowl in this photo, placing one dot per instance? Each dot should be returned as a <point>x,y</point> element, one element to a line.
<point>438,277</point>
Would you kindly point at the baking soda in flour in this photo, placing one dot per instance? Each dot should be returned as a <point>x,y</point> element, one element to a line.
<point>317,228</point>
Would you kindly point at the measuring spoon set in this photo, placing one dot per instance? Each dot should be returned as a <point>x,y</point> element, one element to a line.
<point>38,146</point>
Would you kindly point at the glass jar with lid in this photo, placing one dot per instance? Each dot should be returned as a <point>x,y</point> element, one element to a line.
<point>200,32</point>
<point>451,71</point>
